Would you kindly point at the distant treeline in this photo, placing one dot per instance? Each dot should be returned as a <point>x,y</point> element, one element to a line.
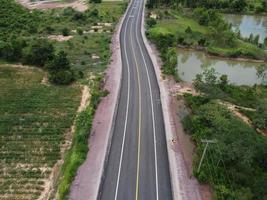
<point>227,5</point>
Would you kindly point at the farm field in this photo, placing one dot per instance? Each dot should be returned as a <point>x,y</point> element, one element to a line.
<point>34,120</point>
<point>36,115</point>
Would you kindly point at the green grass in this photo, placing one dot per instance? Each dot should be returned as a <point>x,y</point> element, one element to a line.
<point>81,48</point>
<point>110,10</point>
<point>177,26</point>
<point>33,121</point>
<point>77,154</point>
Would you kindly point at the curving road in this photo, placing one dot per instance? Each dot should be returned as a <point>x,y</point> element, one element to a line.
<point>137,166</point>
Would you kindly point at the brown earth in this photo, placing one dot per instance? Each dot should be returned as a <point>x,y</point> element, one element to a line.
<point>79,5</point>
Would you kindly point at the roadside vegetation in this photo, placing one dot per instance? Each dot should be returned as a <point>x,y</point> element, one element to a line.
<point>48,57</point>
<point>235,165</point>
<point>233,118</point>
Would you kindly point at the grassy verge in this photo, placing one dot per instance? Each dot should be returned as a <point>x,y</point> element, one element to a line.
<point>79,148</point>
<point>182,28</point>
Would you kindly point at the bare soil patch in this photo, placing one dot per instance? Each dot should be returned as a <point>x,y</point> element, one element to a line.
<point>85,98</point>
<point>236,111</point>
<point>60,38</point>
<point>79,5</point>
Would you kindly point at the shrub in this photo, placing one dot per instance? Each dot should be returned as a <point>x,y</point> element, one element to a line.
<point>188,30</point>
<point>38,52</point>
<point>63,77</point>
<point>170,61</point>
<point>95,1</point>
<point>151,22</point>
<point>59,69</point>
<point>65,31</point>
<point>79,31</point>
<point>94,13</point>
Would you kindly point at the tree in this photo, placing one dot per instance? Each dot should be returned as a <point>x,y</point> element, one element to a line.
<point>59,69</point>
<point>223,81</point>
<point>210,76</point>
<point>264,5</point>
<point>239,5</point>
<point>256,40</point>
<point>265,41</point>
<point>38,52</point>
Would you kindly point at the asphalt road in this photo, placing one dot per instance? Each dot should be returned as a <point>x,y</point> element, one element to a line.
<point>137,166</point>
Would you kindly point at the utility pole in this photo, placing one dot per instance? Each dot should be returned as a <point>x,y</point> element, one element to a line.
<point>204,152</point>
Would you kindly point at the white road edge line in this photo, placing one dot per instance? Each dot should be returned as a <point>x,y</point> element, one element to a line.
<point>127,110</point>
<point>152,105</point>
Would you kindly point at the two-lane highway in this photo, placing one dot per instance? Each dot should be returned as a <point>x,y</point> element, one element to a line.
<point>137,166</point>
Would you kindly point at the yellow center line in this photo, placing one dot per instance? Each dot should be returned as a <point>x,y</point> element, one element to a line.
<point>140,109</point>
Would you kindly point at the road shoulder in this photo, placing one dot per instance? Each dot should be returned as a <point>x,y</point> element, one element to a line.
<point>88,179</point>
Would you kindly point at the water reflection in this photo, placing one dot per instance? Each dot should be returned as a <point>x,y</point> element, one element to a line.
<point>191,63</point>
<point>248,24</point>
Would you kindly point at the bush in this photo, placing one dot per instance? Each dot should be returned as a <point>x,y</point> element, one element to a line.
<point>59,69</point>
<point>63,77</point>
<point>65,31</point>
<point>38,52</point>
<point>94,13</point>
<point>95,1</point>
<point>79,31</point>
<point>170,61</point>
<point>151,22</point>
<point>164,41</point>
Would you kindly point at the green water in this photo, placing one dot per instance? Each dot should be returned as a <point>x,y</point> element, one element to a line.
<point>247,24</point>
<point>191,63</point>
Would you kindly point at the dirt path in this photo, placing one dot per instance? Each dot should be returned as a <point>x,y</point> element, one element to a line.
<point>79,5</point>
<point>236,111</point>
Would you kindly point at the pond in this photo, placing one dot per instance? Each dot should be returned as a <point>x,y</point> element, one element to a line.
<point>248,24</point>
<point>191,63</point>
